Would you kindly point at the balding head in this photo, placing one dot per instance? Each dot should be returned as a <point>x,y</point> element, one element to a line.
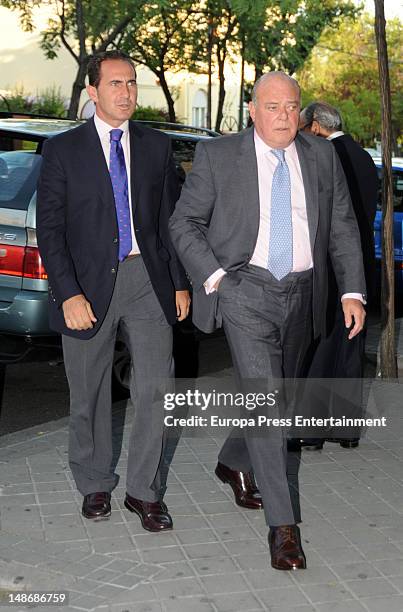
<point>271,78</point>
<point>274,109</point>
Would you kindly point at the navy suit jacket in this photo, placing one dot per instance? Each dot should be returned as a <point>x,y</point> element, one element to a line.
<point>77,227</point>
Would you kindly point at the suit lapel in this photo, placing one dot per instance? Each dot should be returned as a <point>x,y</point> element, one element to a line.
<point>247,174</point>
<point>308,163</point>
<point>139,168</point>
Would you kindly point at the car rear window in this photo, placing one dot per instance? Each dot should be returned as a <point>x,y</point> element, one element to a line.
<point>19,171</point>
<point>183,152</point>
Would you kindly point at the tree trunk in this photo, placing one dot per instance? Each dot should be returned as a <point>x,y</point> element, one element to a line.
<point>168,97</point>
<point>221,91</point>
<point>242,86</point>
<point>388,352</point>
<point>210,62</point>
<point>78,86</point>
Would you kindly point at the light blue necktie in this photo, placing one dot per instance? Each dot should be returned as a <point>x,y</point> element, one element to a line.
<point>280,243</point>
<point>117,169</point>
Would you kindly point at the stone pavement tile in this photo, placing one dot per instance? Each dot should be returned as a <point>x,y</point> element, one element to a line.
<point>341,555</point>
<point>195,478</point>
<point>68,534</point>
<point>103,575</point>
<point>394,534</point>
<point>179,500</point>
<point>145,570</point>
<point>26,499</point>
<point>267,577</point>
<point>255,546</point>
<point>315,575</point>
<point>375,586</point>
<point>16,489</point>
<point>349,605</point>
<point>239,602</point>
<point>397,582</point>
<point>189,522</point>
<point>289,596</point>
<point>53,487</point>
<point>180,469</point>
<point>385,551</point>
<point>188,604</point>
<point>52,498</point>
<point>353,571</point>
<point>114,545</point>
<point>204,551</point>
<point>380,604</point>
<point>172,571</point>
<point>52,476</point>
<point>323,593</point>
<point>105,529</point>
<point>118,565</point>
<point>220,507</point>
<point>149,606</point>
<point>89,602</point>
<point>241,532</point>
<point>127,581</point>
<point>225,583</point>
<point>140,593</point>
<point>228,519</point>
<point>198,536</point>
<point>214,565</point>
<point>390,567</point>
<point>181,587</point>
<point>146,541</point>
<point>250,562</point>
<point>59,509</point>
<point>163,555</point>
<point>365,538</point>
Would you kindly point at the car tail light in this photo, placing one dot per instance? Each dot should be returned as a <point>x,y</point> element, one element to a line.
<point>33,266</point>
<point>12,260</point>
<point>22,261</point>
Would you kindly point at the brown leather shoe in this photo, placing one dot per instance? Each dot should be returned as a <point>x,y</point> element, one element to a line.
<point>285,548</point>
<point>97,505</point>
<point>243,485</point>
<point>154,516</point>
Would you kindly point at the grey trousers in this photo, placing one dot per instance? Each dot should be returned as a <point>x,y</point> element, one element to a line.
<point>134,309</point>
<point>268,327</point>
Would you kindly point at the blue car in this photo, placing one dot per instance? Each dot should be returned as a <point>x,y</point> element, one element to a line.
<point>397,174</point>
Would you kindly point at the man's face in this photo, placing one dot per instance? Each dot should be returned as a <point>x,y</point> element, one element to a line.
<point>276,112</point>
<point>116,95</point>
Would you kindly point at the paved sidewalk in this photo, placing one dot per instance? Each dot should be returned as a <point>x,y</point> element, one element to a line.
<point>216,559</point>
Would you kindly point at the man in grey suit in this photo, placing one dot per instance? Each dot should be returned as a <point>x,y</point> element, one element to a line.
<point>257,216</point>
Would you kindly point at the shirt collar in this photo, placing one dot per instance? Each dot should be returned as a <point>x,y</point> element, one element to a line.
<point>335,135</point>
<point>104,128</point>
<point>262,148</point>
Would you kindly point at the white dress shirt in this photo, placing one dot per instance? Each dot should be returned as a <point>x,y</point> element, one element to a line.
<point>103,130</point>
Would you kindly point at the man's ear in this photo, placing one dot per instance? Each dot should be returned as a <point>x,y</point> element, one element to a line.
<point>251,108</point>
<point>92,92</point>
<point>315,128</point>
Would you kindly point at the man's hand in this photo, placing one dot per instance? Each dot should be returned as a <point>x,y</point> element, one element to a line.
<point>78,313</point>
<point>353,311</point>
<point>182,304</point>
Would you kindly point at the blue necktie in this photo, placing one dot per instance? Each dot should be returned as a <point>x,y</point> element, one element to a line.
<point>280,243</point>
<point>117,169</point>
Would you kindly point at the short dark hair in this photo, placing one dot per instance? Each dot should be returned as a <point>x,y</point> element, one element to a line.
<point>95,61</point>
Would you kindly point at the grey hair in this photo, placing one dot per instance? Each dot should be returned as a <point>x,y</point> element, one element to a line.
<point>271,75</point>
<point>326,115</point>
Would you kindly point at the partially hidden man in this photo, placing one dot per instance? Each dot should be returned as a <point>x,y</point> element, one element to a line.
<point>257,216</point>
<point>106,191</point>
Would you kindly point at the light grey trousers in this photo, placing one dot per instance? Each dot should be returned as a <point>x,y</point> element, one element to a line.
<point>134,309</point>
<point>268,327</point>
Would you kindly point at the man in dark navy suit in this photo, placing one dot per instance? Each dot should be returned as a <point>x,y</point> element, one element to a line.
<point>106,192</point>
<point>336,356</point>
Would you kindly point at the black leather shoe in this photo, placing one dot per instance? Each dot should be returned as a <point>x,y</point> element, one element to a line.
<point>154,516</point>
<point>346,442</point>
<point>312,444</point>
<point>97,505</point>
<point>243,485</point>
<point>285,548</point>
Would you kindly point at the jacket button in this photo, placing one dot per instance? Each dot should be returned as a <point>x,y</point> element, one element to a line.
<point>115,240</point>
<point>113,271</point>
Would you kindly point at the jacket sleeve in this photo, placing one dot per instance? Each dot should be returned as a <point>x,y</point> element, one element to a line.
<point>170,196</point>
<point>344,240</point>
<point>51,227</point>
<point>190,222</point>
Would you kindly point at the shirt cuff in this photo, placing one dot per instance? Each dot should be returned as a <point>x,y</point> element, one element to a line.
<point>355,296</point>
<point>208,284</point>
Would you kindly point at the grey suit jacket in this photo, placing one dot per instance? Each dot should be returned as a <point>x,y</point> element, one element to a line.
<point>216,220</point>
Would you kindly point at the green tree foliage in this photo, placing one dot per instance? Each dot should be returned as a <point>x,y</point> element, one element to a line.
<point>82,27</point>
<point>48,101</point>
<point>343,71</point>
